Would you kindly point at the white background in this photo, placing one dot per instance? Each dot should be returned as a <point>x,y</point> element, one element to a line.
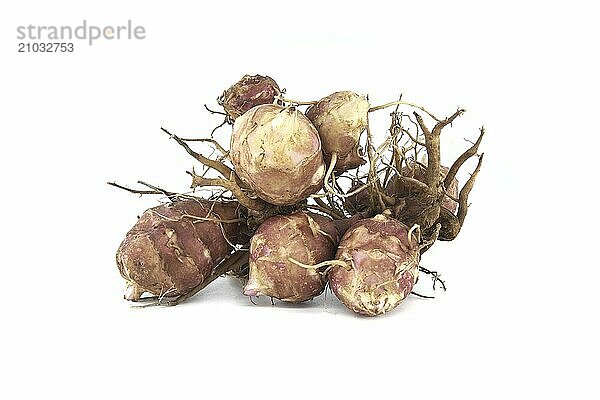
<point>518,320</point>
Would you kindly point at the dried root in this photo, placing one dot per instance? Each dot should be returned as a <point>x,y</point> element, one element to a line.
<point>426,197</point>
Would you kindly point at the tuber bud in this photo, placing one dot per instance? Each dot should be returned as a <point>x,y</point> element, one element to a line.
<point>382,258</point>
<point>172,248</point>
<point>340,118</point>
<point>248,92</point>
<point>277,248</point>
<point>277,152</point>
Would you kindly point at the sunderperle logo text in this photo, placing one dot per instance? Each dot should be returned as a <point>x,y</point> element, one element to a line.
<point>81,32</point>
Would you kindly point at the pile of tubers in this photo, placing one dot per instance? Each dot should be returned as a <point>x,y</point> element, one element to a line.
<point>305,200</point>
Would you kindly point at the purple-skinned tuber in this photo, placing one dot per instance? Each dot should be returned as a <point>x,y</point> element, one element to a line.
<point>282,253</point>
<point>174,247</point>
<point>382,265</point>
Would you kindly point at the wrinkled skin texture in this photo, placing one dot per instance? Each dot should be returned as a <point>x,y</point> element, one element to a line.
<point>340,118</point>
<point>443,212</point>
<point>383,266</point>
<point>277,152</point>
<point>168,252</point>
<point>307,238</point>
<point>250,91</point>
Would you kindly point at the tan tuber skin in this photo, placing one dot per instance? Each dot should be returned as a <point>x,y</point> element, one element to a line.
<point>276,151</point>
<point>340,118</point>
